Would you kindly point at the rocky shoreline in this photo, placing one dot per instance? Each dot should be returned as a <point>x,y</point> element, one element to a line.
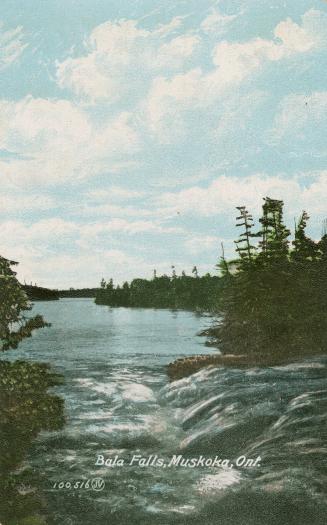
<point>189,365</point>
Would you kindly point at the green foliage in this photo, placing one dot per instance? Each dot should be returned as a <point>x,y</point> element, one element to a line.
<point>26,409</point>
<point>276,302</point>
<point>26,406</point>
<point>184,291</point>
<point>244,247</point>
<point>14,325</point>
<point>38,293</point>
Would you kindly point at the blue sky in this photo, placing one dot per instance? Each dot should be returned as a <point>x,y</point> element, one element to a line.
<point>130,130</point>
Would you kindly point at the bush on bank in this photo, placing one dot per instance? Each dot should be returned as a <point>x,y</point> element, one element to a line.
<point>26,406</point>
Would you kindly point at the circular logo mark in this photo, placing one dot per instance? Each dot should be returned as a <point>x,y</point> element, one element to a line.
<point>97,484</point>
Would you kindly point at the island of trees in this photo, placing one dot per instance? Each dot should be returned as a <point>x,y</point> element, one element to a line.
<point>276,302</point>
<point>270,302</point>
<point>272,308</point>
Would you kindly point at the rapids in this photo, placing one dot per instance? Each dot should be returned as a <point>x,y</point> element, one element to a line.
<point>119,403</point>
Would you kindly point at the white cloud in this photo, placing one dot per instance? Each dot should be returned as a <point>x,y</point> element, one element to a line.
<point>167,29</point>
<point>66,270</point>
<point>115,193</point>
<point>294,37</point>
<point>31,124</point>
<point>173,53</point>
<point>128,227</point>
<point>11,46</point>
<point>55,140</point>
<point>297,113</point>
<point>225,193</point>
<point>112,210</point>
<point>314,195</point>
<point>48,232</point>
<point>234,62</point>
<point>62,253</point>
<point>216,22</point>
<point>168,99</point>
<point>15,203</point>
<point>119,58</point>
<point>199,244</point>
<point>44,233</point>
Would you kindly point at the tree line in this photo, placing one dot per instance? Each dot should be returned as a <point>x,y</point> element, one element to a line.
<point>193,292</point>
<point>270,300</point>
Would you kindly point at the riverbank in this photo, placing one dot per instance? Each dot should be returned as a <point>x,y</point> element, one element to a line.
<point>186,366</point>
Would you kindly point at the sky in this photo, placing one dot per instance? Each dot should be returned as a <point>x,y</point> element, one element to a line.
<point>131,129</point>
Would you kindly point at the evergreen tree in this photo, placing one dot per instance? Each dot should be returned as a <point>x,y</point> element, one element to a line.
<point>274,243</point>
<point>244,248</point>
<point>14,324</point>
<point>304,248</point>
<point>276,304</point>
<point>26,406</point>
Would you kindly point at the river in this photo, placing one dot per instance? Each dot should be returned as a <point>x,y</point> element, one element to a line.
<point>119,402</point>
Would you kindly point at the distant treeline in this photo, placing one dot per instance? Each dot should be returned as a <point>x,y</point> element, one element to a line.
<point>38,293</point>
<point>82,292</point>
<point>176,291</point>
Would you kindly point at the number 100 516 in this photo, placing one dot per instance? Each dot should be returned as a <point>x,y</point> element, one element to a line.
<point>86,484</point>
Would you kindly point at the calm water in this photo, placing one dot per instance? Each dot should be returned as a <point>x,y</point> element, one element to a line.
<point>119,402</point>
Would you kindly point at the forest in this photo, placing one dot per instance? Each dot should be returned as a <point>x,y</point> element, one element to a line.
<point>39,293</point>
<point>77,293</point>
<point>270,300</point>
<point>276,301</point>
<point>189,292</point>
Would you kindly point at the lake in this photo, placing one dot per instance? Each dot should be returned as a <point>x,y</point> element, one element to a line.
<point>121,407</point>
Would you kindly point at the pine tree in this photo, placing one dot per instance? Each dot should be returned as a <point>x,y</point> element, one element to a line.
<point>274,234</point>
<point>244,248</point>
<point>304,248</point>
<point>275,306</point>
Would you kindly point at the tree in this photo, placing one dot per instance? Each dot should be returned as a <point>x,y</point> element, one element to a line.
<point>275,305</point>
<point>304,247</point>
<point>274,242</point>
<point>14,324</point>
<point>244,248</point>
<point>195,272</point>
<point>26,406</point>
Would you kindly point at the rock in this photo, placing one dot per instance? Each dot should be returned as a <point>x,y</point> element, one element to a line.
<point>189,365</point>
